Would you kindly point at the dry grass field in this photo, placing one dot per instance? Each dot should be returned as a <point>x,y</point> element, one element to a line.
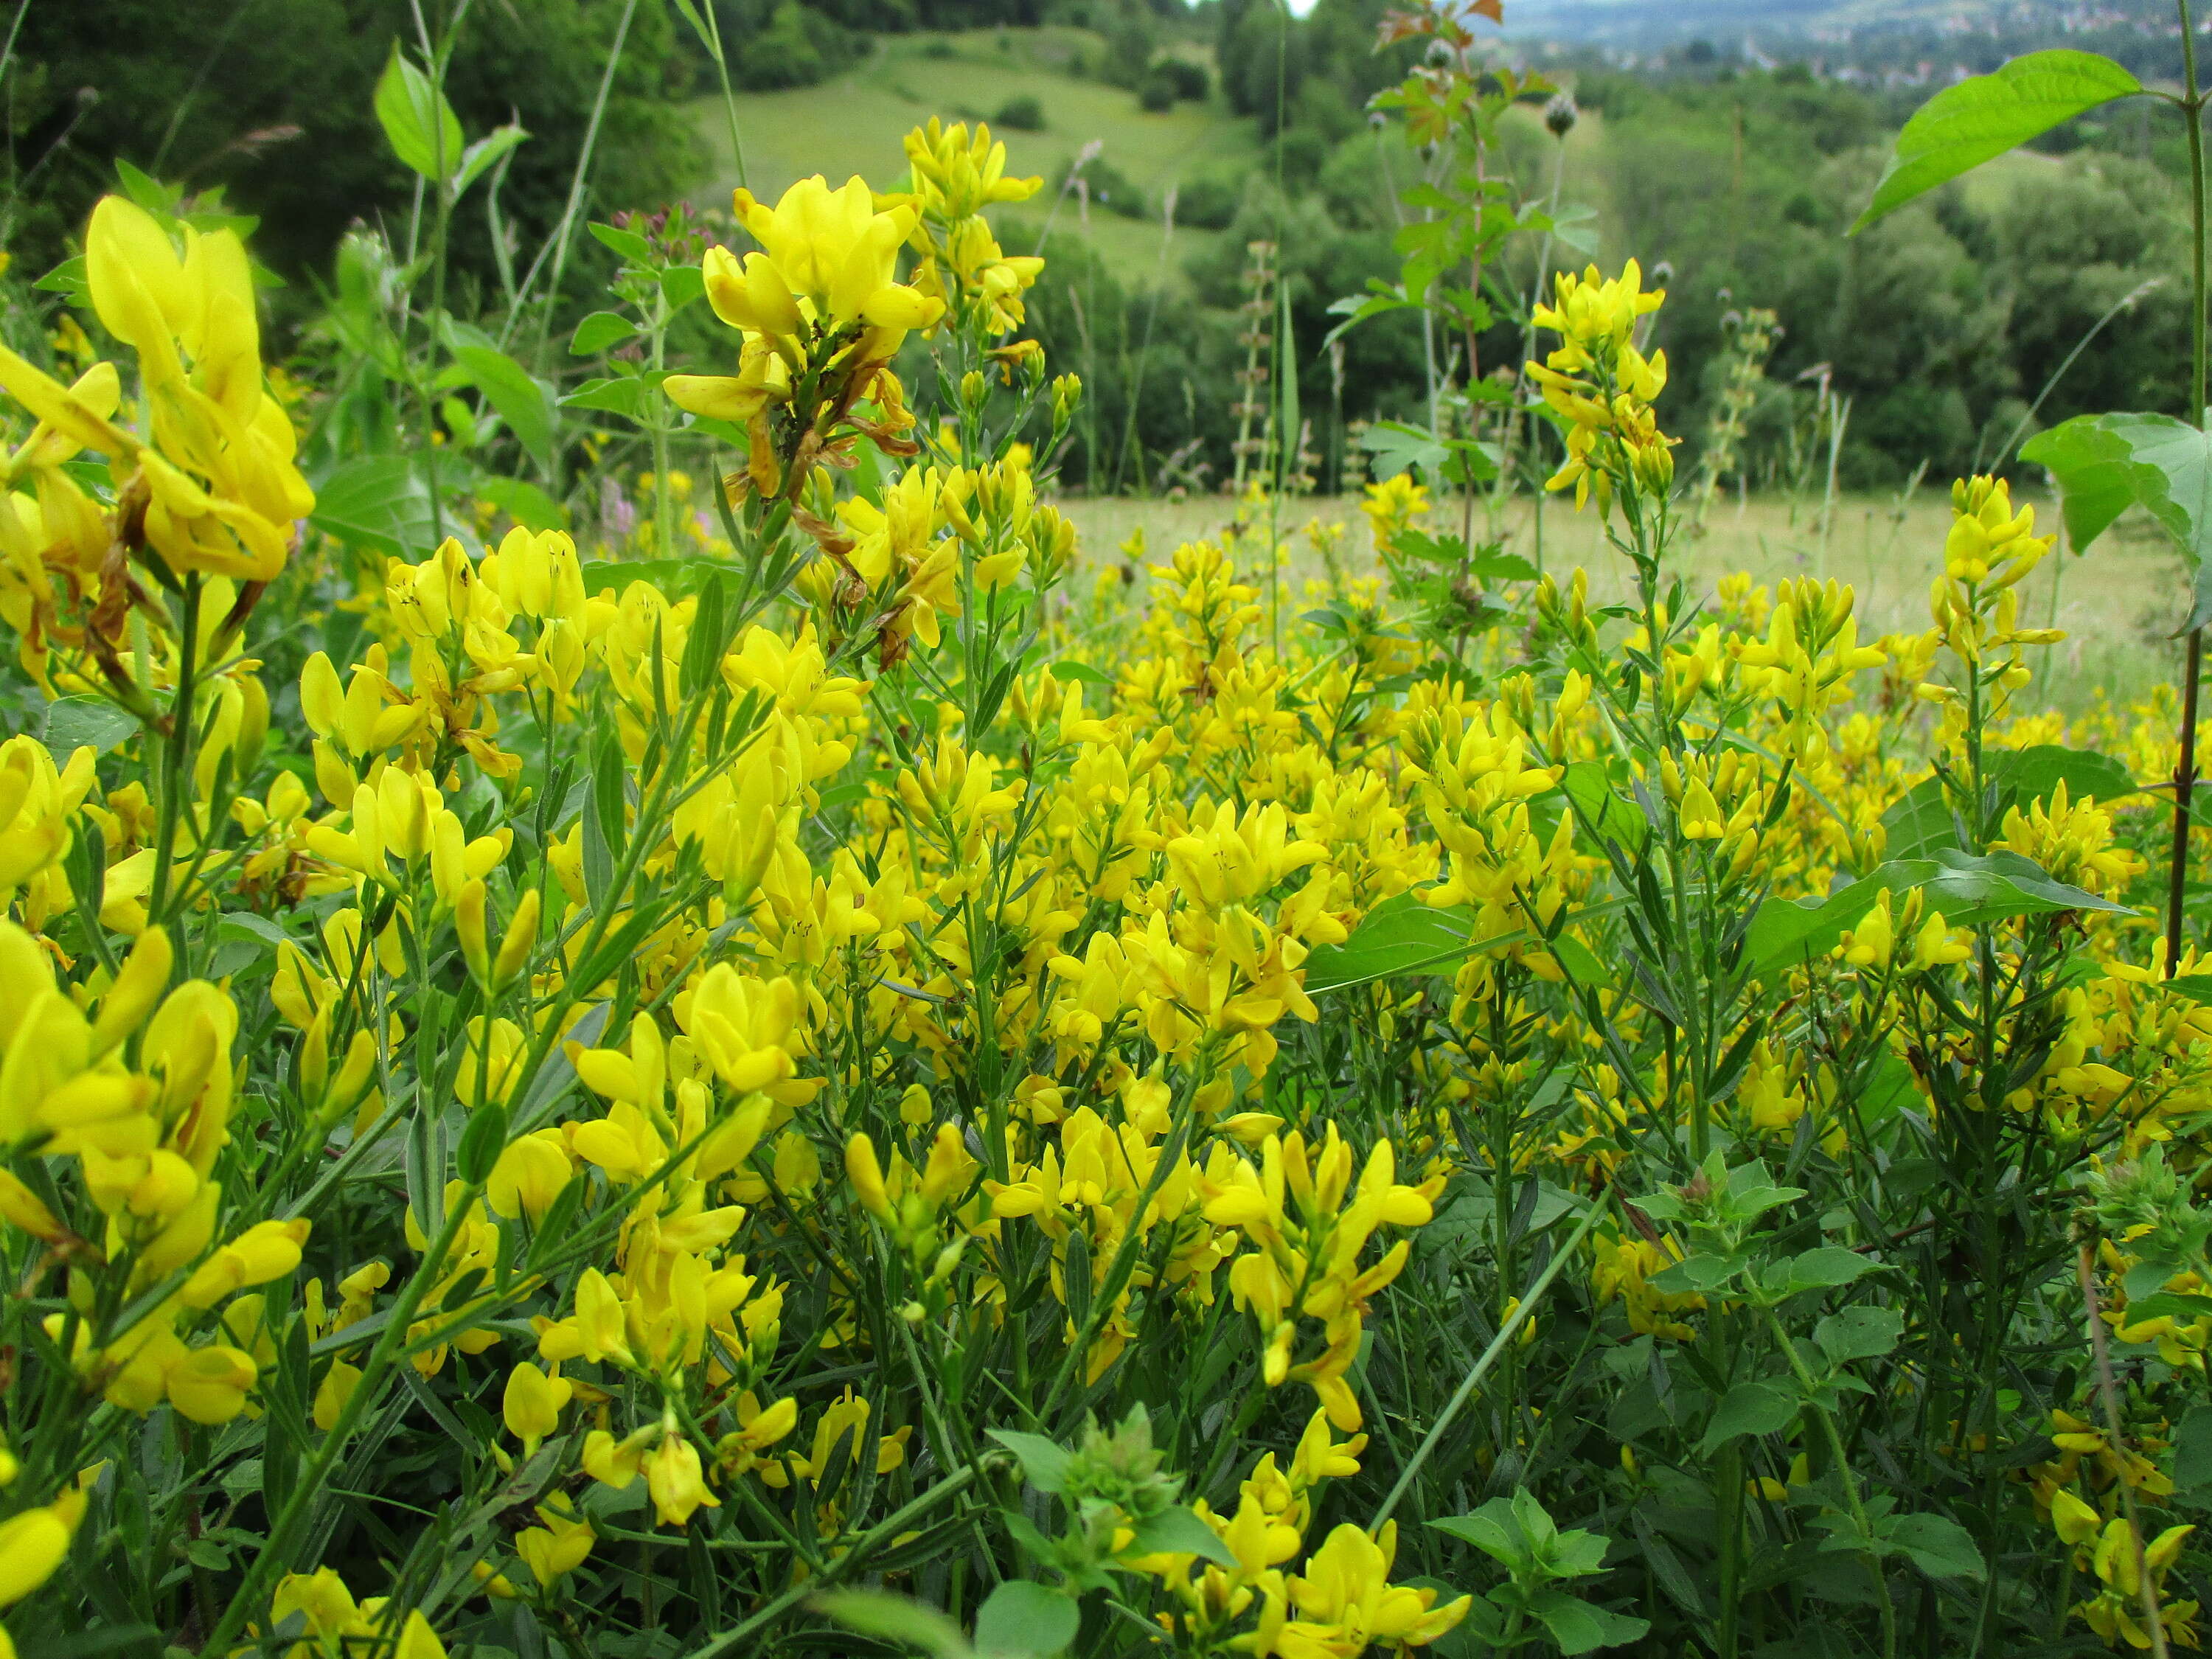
<point>2119,604</point>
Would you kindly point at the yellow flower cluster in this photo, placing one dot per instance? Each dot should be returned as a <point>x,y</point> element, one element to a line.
<point>730,1048</point>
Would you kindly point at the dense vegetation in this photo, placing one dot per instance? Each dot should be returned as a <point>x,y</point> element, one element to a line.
<point>643,1012</point>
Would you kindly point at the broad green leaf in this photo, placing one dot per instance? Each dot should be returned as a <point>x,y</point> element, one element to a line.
<point>2105,463</point>
<point>599,331</point>
<point>628,243</point>
<point>1398,447</point>
<point>483,156</point>
<point>682,284</point>
<point>623,394</point>
<point>381,504</point>
<point>1044,1462</point>
<point>2192,1449</point>
<point>1579,1627</point>
<point>1824,1268</point>
<point>520,401</point>
<point>1979,119</point>
<point>1919,823</point>
<point>1939,1547</point>
<point>423,131</point>
<point>524,503</point>
<point>1025,1620</point>
<point>1400,935</point>
<point>74,722</point>
<point>895,1619</point>
<point>1754,1407</point>
<point>1491,1529</point>
<point>1858,1332</point>
<point>1178,1531</point>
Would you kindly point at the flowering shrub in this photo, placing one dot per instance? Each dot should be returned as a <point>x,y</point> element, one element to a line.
<point>725,1107</point>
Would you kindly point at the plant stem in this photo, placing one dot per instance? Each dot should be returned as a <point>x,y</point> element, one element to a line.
<point>2108,1397</point>
<point>1851,1499</point>
<point>2184,770</point>
<point>1489,1358</point>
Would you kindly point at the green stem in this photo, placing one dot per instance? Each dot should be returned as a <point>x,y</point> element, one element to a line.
<point>1488,1358</point>
<point>278,1551</point>
<point>1857,1504</point>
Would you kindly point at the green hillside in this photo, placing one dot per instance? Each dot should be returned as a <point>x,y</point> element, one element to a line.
<point>855,123</point>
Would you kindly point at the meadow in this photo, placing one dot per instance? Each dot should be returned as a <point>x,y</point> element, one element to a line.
<point>660,999</point>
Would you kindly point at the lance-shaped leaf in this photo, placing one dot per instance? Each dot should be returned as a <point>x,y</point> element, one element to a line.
<point>2105,464</point>
<point>1979,119</point>
<point>421,126</point>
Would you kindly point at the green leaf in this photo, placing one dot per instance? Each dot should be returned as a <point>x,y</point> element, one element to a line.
<point>1398,447</point>
<point>1858,1332</point>
<point>381,504</point>
<point>1178,1531</point>
<point>482,1143</point>
<point>1754,1408</point>
<point>628,243</point>
<point>2192,1449</point>
<point>483,156</point>
<point>1979,119</point>
<point>520,401</point>
<point>1491,1529</point>
<point>1083,672</point>
<point>73,722</point>
<point>422,127</point>
<point>1825,1267</point>
<point>2105,463</point>
<point>599,331</point>
<point>682,284</point>
<point>524,503</point>
<point>895,1619</point>
<point>1044,1462</point>
<point>1579,1627</point>
<point>623,394</point>
<point>1401,935</point>
<point>1021,1618</point>
<point>1939,1547</point>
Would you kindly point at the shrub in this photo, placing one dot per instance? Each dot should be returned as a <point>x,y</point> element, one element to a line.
<point>1157,93</point>
<point>1024,112</point>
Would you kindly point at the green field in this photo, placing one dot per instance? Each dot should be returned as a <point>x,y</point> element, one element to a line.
<point>854,125</point>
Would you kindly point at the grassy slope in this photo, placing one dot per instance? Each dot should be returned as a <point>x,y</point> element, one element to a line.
<point>855,123</point>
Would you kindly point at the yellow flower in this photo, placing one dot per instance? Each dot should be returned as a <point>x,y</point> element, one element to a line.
<point>33,1544</point>
<point>673,1478</point>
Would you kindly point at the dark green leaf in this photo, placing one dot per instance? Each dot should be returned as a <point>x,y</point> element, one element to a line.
<point>1858,1332</point>
<point>1579,1627</point>
<point>1754,1408</point>
<point>482,1143</point>
<point>1938,1546</point>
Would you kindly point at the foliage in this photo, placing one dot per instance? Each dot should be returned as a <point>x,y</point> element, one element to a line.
<point>808,1066</point>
